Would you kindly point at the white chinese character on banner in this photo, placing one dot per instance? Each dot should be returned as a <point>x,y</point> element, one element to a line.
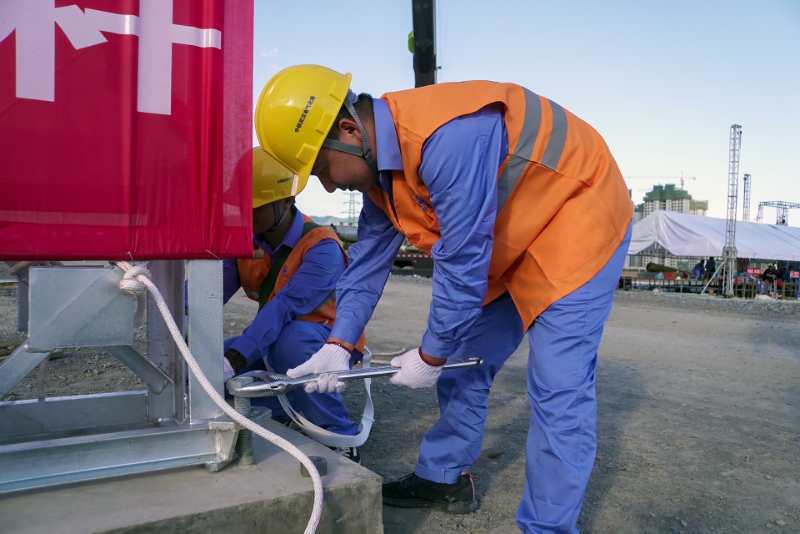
<point>33,22</point>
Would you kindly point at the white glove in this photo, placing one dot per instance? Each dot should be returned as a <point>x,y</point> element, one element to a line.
<point>227,370</point>
<point>414,372</point>
<point>327,359</point>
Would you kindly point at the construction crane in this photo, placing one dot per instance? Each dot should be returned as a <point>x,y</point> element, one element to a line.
<point>729,251</point>
<point>746,198</point>
<point>683,179</point>
<point>783,208</point>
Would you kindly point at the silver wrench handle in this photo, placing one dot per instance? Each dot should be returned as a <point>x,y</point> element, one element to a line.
<point>387,370</point>
<point>278,384</point>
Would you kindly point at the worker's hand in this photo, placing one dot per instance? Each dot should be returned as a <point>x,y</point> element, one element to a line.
<point>329,358</point>
<point>233,363</point>
<point>227,370</point>
<point>414,372</point>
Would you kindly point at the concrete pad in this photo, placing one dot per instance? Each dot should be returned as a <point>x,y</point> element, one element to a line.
<point>268,496</point>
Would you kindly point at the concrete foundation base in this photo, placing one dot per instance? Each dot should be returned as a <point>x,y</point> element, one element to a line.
<point>268,496</point>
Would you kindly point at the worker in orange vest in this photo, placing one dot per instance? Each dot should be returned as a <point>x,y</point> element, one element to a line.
<point>292,276</point>
<point>527,217</point>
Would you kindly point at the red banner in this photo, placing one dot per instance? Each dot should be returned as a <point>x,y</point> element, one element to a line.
<point>125,129</point>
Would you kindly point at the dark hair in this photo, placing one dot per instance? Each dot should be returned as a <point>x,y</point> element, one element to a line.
<point>363,107</point>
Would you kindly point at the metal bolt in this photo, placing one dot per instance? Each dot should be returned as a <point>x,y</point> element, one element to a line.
<point>242,405</point>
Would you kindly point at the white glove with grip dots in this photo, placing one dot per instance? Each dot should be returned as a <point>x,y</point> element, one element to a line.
<point>329,358</point>
<point>414,372</point>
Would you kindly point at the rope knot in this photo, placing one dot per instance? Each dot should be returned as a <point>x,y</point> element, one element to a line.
<point>130,282</point>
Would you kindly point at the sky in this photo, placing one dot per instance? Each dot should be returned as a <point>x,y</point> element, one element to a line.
<point>661,81</point>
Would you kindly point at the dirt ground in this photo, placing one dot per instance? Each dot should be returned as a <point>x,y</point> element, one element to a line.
<point>699,415</point>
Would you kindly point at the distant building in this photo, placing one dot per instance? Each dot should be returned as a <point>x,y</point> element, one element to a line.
<point>665,198</point>
<point>670,198</point>
<point>698,207</point>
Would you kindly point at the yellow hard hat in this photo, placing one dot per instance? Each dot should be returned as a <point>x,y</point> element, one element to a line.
<point>295,112</point>
<point>272,181</point>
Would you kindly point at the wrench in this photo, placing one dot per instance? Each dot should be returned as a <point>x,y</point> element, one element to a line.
<point>272,384</point>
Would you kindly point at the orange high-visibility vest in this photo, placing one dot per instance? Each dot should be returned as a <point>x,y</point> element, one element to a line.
<point>261,282</point>
<point>562,204</point>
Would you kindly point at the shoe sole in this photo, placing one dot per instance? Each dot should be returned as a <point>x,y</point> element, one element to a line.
<point>456,508</point>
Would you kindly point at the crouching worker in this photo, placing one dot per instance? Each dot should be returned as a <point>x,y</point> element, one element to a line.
<point>292,275</point>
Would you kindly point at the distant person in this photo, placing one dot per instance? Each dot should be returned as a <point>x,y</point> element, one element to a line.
<point>770,276</point>
<point>698,270</point>
<point>711,267</point>
<point>527,218</point>
<point>783,272</point>
<point>791,268</point>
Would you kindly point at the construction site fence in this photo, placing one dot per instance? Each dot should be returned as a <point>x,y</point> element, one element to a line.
<point>744,287</point>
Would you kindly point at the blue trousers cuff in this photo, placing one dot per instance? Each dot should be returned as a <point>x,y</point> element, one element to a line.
<point>441,476</point>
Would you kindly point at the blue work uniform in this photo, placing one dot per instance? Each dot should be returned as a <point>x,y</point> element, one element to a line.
<point>459,168</point>
<point>278,340</point>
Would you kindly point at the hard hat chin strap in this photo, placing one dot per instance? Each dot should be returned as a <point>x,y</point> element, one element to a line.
<point>279,217</point>
<point>365,152</point>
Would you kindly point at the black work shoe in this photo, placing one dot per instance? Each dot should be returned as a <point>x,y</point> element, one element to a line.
<point>351,453</point>
<point>412,491</point>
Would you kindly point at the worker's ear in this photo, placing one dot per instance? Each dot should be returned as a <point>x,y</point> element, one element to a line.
<point>348,130</point>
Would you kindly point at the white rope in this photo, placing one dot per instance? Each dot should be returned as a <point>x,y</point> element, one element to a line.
<point>137,282</point>
<point>129,283</point>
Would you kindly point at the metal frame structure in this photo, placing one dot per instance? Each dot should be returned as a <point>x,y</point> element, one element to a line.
<point>746,198</point>
<point>729,250</point>
<point>782,216</point>
<point>172,423</point>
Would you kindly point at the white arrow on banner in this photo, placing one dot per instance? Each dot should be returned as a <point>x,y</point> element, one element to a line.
<point>33,22</point>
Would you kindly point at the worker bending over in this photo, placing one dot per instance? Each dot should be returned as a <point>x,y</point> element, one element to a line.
<point>527,217</point>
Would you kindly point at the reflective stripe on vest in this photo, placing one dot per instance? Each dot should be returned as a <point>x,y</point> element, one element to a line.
<point>520,156</point>
<point>558,135</point>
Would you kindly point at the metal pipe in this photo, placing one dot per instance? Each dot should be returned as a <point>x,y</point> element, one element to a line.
<point>277,384</point>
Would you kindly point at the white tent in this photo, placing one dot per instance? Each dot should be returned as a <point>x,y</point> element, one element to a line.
<point>694,235</point>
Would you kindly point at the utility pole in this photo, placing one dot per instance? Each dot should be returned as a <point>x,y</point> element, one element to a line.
<point>423,14</point>
<point>746,199</point>
<point>729,251</point>
<point>353,207</point>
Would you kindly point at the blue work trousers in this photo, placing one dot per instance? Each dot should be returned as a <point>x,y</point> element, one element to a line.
<point>562,437</point>
<point>297,342</point>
